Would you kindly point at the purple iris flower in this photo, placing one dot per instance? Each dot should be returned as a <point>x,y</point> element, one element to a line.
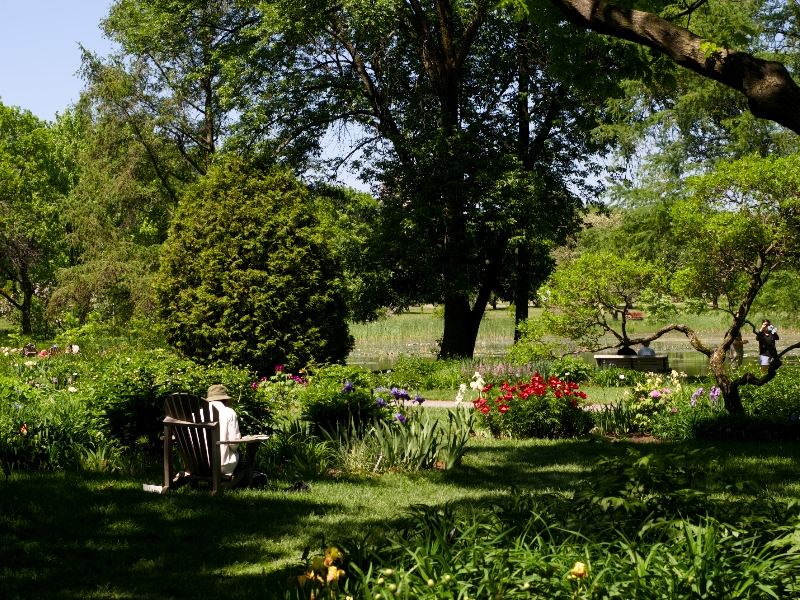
<point>381,403</point>
<point>400,394</point>
<point>714,393</point>
<point>399,417</point>
<point>418,399</point>
<point>348,387</point>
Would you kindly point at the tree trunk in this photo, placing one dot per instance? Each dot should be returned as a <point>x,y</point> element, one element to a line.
<point>27,303</point>
<point>730,390</point>
<point>461,325</point>
<point>523,284</point>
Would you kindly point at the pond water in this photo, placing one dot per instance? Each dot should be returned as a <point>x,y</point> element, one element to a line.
<point>687,361</point>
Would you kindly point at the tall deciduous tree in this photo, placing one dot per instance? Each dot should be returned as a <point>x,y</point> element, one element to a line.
<point>473,167</point>
<point>169,69</point>
<point>34,177</point>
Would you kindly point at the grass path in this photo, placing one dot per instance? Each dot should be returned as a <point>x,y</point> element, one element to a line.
<point>66,535</point>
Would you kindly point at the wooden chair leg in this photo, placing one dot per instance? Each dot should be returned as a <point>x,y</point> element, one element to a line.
<point>250,462</point>
<point>216,463</point>
<point>167,457</point>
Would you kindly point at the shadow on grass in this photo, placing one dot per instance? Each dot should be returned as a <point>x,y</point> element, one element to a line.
<point>64,535</point>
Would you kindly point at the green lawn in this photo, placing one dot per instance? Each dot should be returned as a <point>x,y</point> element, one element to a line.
<point>66,535</point>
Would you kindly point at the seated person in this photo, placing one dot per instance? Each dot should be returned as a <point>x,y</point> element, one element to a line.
<point>646,350</point>
<point>626,351</point>
<point>228,428</point>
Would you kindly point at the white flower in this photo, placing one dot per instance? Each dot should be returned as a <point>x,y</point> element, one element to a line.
<point>460,396</point>
<point>622,376</point>
<point>75,348</point>
<point>72,389</point>
<point>30,363</point>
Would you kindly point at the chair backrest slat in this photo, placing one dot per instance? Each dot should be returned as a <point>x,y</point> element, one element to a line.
<point>194,444</point>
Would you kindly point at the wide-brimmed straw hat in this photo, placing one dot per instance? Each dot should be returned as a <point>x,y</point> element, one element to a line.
<point>217,392</point>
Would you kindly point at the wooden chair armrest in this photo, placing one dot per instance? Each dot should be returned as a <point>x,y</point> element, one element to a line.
<point>245,440</point>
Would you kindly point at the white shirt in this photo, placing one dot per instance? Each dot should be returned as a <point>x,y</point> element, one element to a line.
<point>228,430</point>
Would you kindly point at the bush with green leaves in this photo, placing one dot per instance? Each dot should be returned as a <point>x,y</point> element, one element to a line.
<point>129,389</point>
<point>417,372</point>
<point>74,406</point>
<point>701,416</point>
<point>336,395</point>
<point>778,399</point>
<point>571,368</point>
<point>43,426</point>
<point>248,276</point>
<point>617,377</point>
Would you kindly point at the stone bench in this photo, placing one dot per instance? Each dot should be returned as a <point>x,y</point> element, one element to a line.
<point>657,363</point>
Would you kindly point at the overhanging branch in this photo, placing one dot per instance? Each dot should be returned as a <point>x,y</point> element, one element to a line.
<point>770,90</point>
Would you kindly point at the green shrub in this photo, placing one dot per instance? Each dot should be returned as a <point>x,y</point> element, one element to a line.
<point>570,368</point>
<point>128,388</point>
<point>706,421</point>
<point>42,427</point>
<point>416,373</point>
<point>329,402</point>
<point>779,399</point>
<point>247,275</point>
<point>616,377</point>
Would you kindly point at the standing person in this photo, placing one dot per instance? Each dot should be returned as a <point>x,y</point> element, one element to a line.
<point>228,428</point>
<point>767,337</point>
<point>736,352</point>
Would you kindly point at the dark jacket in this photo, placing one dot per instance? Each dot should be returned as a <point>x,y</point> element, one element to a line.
<point>765,341</point>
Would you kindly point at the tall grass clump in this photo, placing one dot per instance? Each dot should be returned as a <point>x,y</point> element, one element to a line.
<point>643,526</point>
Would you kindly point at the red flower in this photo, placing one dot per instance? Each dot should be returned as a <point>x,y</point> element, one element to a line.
<point>485,409</point>
<point>24,429</point>
<point>503,408</point>
<point>574,403</point>
<point>487,387</point>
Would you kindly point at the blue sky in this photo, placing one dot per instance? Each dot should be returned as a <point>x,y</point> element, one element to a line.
<point>39,46</point>
<point>40,54</point>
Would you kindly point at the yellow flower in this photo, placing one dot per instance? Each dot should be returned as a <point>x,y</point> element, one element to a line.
<point>331,554</point>
<point>578,571</point>
<point>318,564</point>
<point>334,574</point>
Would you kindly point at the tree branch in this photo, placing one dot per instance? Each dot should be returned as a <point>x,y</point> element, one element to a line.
<point>770,90</point>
